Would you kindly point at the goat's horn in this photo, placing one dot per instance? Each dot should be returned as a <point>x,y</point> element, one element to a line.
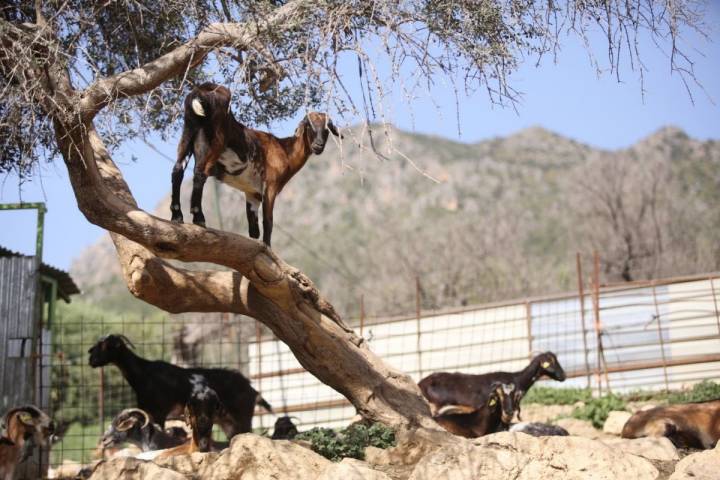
<point>127,341</point>
<point>13,411</point>
<point>129,411</point>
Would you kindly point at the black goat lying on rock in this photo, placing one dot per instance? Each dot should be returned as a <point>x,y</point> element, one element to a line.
<point>162,388</point>
<point>537,429</point>
<point>445,388</point>
<point>475,421</point>
<point>135,426</point>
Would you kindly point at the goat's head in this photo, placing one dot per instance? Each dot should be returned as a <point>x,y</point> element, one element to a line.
<point>108,349</point>
<point>31,424</point>
<point>503,394</point>
<point>127,426</point>
<point>550,366</point>
<point>315,127</point>
<point>285,429</point>
<point>202,408</point>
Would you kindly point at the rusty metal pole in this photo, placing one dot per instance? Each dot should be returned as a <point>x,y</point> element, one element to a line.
<point>101,401</point>
<point>528,319</point>
<point>660,337</point>
<point>362,313</point>
<point>258,348</point>
<point>581,297</point>
<point>418,320</point>
<point>598,324</point>
<point>715,302</point>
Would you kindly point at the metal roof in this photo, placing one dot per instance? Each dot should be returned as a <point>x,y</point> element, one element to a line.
<point>66,285</point>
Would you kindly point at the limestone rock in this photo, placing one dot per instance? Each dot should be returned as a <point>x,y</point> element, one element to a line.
<point>652,448</point>
<point>616,421</point>
<point>128,468</point>
<point>351,469</point>
<point>254,457</point>
<point>189,465</point>
<point>411,446</point>
<point>522,457</point>
<point>699,466</point>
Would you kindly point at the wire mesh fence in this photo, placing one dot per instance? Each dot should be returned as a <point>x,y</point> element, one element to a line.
<point>655,335</point>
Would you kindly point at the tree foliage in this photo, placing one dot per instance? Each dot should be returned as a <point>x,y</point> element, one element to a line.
<point>472,44</point>
<point>79,77</point>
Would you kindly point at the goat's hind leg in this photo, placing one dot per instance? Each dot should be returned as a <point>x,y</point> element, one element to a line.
<point>252,207</point>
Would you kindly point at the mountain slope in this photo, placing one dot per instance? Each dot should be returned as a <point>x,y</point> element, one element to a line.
<point>505,219</point>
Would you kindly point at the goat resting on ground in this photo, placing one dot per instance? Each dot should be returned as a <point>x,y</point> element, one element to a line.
<point>445,388</point>
<point>135,426</point>
<point>26,427</point>
<point>471,421</point>
<point>256,162</point>
<point>162,388</point>
<point>689,425</point>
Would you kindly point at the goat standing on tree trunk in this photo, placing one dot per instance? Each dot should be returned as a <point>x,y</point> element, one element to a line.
<point>256,162</point>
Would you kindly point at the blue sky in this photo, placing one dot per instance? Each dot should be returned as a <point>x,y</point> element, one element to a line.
<point>567,97</point>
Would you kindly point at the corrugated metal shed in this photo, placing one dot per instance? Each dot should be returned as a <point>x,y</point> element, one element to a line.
<point>66,285</point>
<point>18,307</point>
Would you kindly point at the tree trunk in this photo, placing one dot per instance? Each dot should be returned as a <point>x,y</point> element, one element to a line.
<point>259,284</point>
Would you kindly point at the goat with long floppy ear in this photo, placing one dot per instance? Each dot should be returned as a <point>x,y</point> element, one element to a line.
<point>256,162</point>
<point>26,427</point>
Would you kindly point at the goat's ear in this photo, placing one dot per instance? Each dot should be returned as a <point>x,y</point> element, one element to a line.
<point>333,129</point>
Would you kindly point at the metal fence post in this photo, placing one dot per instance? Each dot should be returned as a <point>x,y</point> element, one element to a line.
<point>598,325</point>
<point>528,318</point>
<point>258,352</point>
<point>660,337</point>
<point>581,297</point>
<point>418,317</point>
<point>362,313</point>
<point>715,302</point>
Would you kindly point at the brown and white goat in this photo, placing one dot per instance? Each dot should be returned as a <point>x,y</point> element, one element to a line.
<point>26,427</point>
<point>258,163</point>
<point>471,421</point>
<point>202,406</point>
<point>444,388</point>
<point>689,425</point>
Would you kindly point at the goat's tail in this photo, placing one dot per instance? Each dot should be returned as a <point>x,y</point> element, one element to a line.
<point>259,400</point>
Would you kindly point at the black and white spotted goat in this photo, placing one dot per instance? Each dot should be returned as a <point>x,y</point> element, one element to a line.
<point>135,426</point>
<point>162,388</point>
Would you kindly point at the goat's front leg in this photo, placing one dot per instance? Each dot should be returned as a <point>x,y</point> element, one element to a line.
<point>268,204</point>
<point>252,207</point>
<point>177,178</point>
<point>196,198</point>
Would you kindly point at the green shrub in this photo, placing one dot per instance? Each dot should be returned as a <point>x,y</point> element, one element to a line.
<point>348,442</point>
<point>701,392</point>
<point>597,409</point>
<point>557,396</point>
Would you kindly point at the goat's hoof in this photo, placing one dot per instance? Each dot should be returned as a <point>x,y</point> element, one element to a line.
<point>200,224</point>
<point>177,219</point>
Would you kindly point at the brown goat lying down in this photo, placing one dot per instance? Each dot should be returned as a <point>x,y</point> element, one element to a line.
<point>690,425</point>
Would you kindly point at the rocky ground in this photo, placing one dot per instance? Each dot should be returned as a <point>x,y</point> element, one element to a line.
<point>587,453</point>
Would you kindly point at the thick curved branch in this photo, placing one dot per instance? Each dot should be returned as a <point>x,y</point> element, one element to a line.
<point>261,285</point>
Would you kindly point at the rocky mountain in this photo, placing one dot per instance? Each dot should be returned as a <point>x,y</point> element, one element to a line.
<point>473,222</point>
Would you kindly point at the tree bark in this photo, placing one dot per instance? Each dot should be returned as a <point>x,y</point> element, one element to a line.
<point>259,284</point>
